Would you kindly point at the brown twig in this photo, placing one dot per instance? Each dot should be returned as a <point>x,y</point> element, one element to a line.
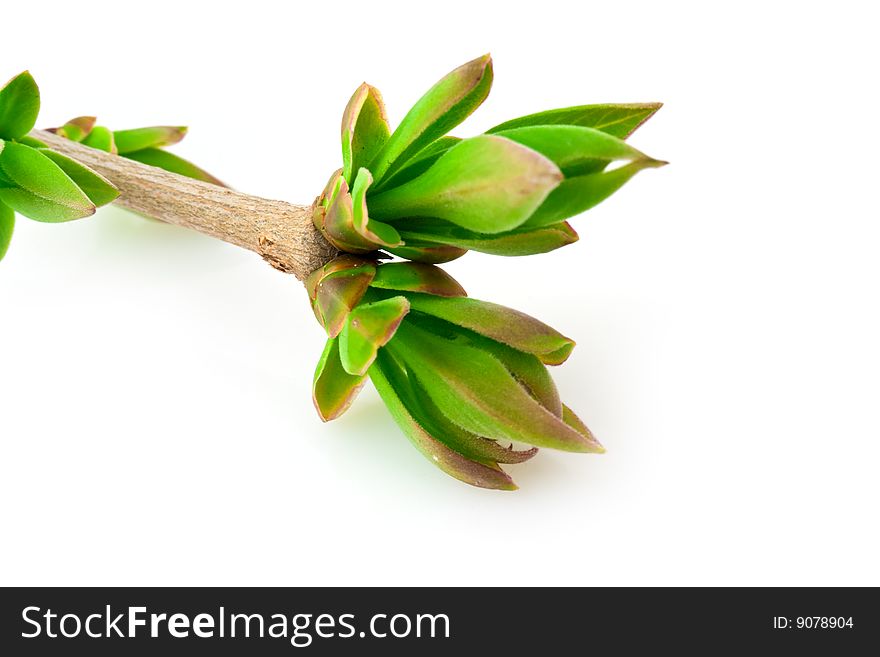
<point>282,233</point>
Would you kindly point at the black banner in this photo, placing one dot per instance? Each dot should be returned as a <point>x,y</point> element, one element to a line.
<point>341,621</point>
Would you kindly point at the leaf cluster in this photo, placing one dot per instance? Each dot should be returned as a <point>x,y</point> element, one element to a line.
<point>35,181</point>
<point>424,195</point>
<point>460,376</point>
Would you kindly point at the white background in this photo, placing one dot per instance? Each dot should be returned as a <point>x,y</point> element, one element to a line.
<point>156,425</point>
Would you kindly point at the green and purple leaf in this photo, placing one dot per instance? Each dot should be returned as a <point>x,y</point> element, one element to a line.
<point>477,392</point>
<point>518,242</point>
<point>137,139</point>
<point>334,389</point>
<point>376,233</point>
<point>619,120</point>
<point>416,277</point>
<point>577,424</point>
<point>364,130</point>
<point>337,294</point>
<point>432,254</point>
<point>444,106</point>
<point>462,441</point>
<point>487,184</point>
<point>502,324</point>
<point>19,106</point>
<point>368,328</point>
<point>390,381</point>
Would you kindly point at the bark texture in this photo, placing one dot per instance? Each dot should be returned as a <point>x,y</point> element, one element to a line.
<point>281,233</point>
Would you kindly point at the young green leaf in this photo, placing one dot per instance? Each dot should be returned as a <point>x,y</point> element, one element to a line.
<point>77,129</point>
<point>619,120</point>
<point>99,190</point>
<point>364,130</point>
<point>579,194</point>
<point>138,139</point>
<point>391,382</point>
<point>338,293</point>
<point>7,225</point>
<point>487,184</point>
<point>19,106</point>
<point>578,425</point>
<point>33,142</point>
<point>444,106</point>
<point>474,390</point>
<point>43,191</point>
<point>334,389</point>
<point>377,233</point>
<point>433,254</point>
<point>574,149</point>
<point>416,277</point>
<point>464,442</point>
<point>164,160</point>
<point>519,242</point>
<point>100,138</point>
<point>422,161</point>
<point>500,323</point>
<point>369,327</point>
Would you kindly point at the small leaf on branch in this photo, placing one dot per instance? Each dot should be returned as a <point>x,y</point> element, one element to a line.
<point>43,191</point>
<point>487,184</point>
<point>138,139</point>
<point>19,106</point>
<point>619,120</point>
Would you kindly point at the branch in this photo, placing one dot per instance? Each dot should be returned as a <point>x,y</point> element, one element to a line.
<point>281,233</point>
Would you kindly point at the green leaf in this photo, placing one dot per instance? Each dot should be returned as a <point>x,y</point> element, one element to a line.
<point>43,191</point>
<point>487,184</point>
<point>338,292</point>
<point>579,194</point>
<point>100,138</point>
<point>391,382</point>
<point>33,142</point>
<point>444,106</point>
<point>334,389</point>
<point>519,242</point>
<point>364,129</point>
<point>156,157</point>
<point>99,190</point>
<point>336,220</point>
<point>422,161</point>
<point>369,327</point>
<point>502,324</point>
<point>574,149</point>
<point>19,106</point>
<point>577,424</point>
<point>376,233</point>
<point>77,129</point>
<point>619,120</point>
<point>529,371</point>
<point>7,226</point>
<point>427,253</point>
<point>416,277</point>
<point>464,442</point>
<point>477,392</point>
<point>138,139</point>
